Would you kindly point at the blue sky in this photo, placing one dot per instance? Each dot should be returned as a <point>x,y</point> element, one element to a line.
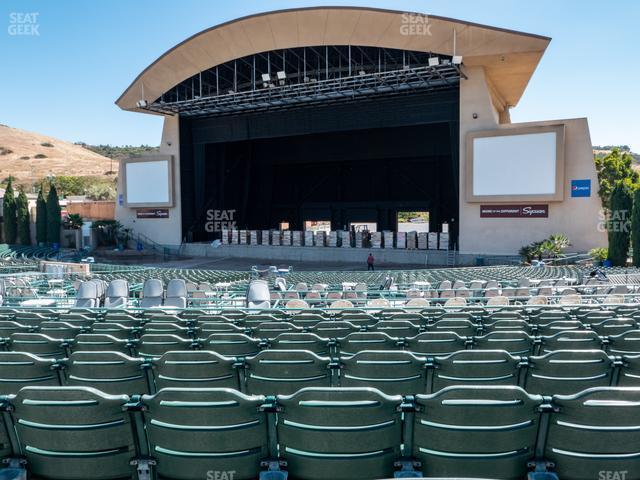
<point>64,82</point>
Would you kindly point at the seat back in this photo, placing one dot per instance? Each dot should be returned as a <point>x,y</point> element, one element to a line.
<point>566,372</point>
<point>152,345</point>
<point>38,344</point>
<point>396,328</point>
<point>152,293</point>
<point>282,372</point>
<point>432,343</point>
<point>476,431</point>
<point>341,434</point>
<point>109,372</point>
<point>614,326</point>
<point>231,344</point>
<point>571,340</point>
<point>475,367</point>
<point>193,432</point>
<point>117,294</point>
<point>627,343</point>
<point>515,342</point>
<point>300,341</point>
<point>195,369</point>
<point>460,326</point>
<point>333,329</point>
<point>630,372</point>
<point>595,431</point>
<point>97,342</point>
<point>273,329</point>
<point>74,433</point>
<point>391,372</point>
<point>359,341</point>
<point>21,369</point>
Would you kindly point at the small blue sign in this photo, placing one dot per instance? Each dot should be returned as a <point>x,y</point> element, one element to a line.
<point>120,199</point>
<point>581,188</point>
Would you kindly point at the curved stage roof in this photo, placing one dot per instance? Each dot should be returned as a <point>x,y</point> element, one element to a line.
<point>509,57</point>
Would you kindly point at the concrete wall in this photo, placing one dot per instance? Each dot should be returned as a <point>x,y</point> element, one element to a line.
<point>578,218</point>
<point>165,231</point>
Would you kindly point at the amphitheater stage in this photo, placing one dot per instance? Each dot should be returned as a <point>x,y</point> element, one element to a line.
<point>404,258</point>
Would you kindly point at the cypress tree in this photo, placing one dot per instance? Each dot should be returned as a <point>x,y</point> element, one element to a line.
<point>41,218</point>
<point>635,228</point>
<point>620,206</point>
<point>53,216</point>
<point>9,215</point>
<point>23,220</point>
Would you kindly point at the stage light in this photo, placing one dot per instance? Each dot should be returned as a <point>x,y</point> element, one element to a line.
<point>142,103</point>
<point>362,72</point>
<point>434,61</point>
<point>231,92</point>
<point>457,60</point>
<point>266,78</point>
<point>282,76</point>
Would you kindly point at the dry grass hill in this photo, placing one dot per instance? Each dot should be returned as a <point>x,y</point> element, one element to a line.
<point>29,156</point>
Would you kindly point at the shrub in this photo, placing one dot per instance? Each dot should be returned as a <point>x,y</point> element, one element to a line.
<point>599,254</point>
<point>5,151</point>
<point>26,157</point>
<point>46,144</point>
<point>620,206</point>
<point>39,155</point>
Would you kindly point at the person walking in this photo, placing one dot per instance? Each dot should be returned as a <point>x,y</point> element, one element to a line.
<point>370,261</point>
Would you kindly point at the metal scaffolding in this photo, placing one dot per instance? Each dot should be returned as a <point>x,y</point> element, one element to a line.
<point>323,75</point>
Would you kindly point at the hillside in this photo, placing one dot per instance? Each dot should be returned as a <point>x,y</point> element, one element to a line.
<point>29,157</point>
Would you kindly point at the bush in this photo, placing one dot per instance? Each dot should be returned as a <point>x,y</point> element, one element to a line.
<point>9,214</point>
<point>41,218</point>
<point>73,221</point>
<point>620,206</point>
<point>39,155</point>
<point>46,144</point>
<point>552,247</point>
<point>26,157</point>
<point>5,151</point>
<point>53,216</point>
<point>599,254</point>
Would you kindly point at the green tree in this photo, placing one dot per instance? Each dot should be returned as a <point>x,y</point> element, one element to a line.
<point>9,214</point>
<point>614,168</point>
<point>618,224</point>
<point>23,220</point>
<point>635,228</point>
<point>41,218</point>
<point>53,216</point>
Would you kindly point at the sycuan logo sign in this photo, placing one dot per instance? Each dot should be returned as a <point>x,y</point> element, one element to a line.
<point>514,211</point>
<point>581,188</point>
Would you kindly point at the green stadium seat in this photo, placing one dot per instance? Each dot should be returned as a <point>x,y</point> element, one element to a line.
<point>391,372</point>
<point>109,372</point>
<point>630,371</point>
<point>275,372</point>
<point>359,341</point>
<point>571,340</point>
<point>514,342</point>
<point>334,329</point>
<point>396,328</point>
<point>195,369</point>
<point>300,341</point>
<point>339,434</point>
<point>614,326</point>
<point>463,327</point>
<point>435,343</point>
<point>95,342</point>
<point>627,343</point>
<point>19,369</point>
<point>38,344</point>
<point>273,329</point>
<point>594,431</point>
<point>74,433</point>
<point>195,432</point>
<point>476,431</point>
<point>156,345</point>
<point>474,367</point>
<point>566,372</point>
<point>231,344</point>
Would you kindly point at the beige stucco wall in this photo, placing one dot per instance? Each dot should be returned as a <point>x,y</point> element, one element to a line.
<point>578,218</point>
<point>165,231</point>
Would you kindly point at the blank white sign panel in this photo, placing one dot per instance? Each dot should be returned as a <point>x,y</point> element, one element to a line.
<point>515,164</point>
<point>148,182</point>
